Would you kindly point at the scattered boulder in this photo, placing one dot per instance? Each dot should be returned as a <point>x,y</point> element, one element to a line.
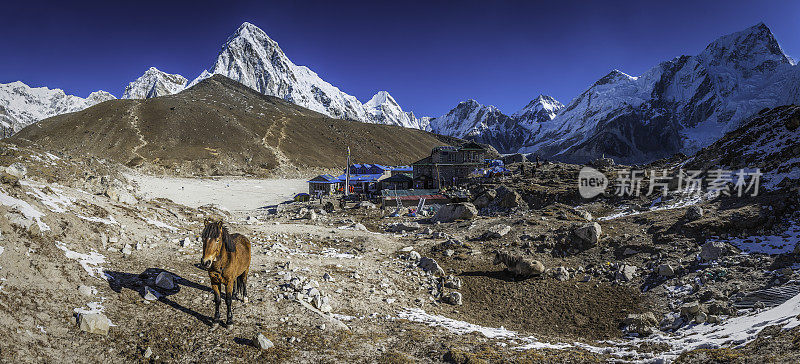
<point>367,205</point>
<point>665,270</point>
<point>628,252</point>
<point>116,191</point>
<point>694,212</point>
<point>260,341</point>
<point>484,199</point>
<point>94,323</point>
<point>518,265</point>
<point>641,323</point>
<point>455,211</point>
<point>430,265</point>
<point>310,215</point>
<point>164,280</point>
<point>17,170</point>
<point>713,250</point>
<point>586,215</point>
<point>454,298</point>
<point>626,273</point>
<point>701,317</point>
<point>690,309</point>
<point>561,274</point>
<point>401,227</point>
<point>508,198</point>
<point>359,226</point>
<point>589,233</point>
<point>496,232</point>
<point>452,282</point>
<point>148,353</point>
<point>86,290</point>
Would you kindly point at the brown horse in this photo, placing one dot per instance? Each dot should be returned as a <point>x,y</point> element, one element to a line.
<point>227,259</point>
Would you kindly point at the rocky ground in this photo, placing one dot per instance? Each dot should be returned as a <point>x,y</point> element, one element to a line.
<point>91,270</point>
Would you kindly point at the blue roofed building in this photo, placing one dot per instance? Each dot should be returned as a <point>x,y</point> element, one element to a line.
<point>324,184</point>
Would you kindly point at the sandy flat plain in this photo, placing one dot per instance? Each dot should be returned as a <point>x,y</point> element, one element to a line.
<point>231,193</point>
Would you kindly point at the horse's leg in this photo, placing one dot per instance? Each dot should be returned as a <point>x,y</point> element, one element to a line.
<point>243,284</point>
<point>236,288</point>
<point>229,299</point>
<point>217,302</point>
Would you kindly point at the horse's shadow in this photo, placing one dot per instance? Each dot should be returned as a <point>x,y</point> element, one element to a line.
<point>142,282</point>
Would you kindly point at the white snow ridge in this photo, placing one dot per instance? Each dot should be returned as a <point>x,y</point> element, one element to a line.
<point>22,105</point>
<point>154,83</point>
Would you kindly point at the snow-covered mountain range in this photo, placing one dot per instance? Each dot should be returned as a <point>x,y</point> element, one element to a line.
<point>22,105</point>
<point>249,56</point>
<point>680,105</point>
<point>486,124</point>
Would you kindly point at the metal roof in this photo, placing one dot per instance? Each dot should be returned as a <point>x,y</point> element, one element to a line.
<point>326,179</point>
<point>361,177</point>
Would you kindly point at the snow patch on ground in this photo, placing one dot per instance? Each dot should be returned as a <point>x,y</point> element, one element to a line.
<point>770,244</point>
<point>25,208</point>
<point>109,221</point>
<point>454,326</point>
<point>55,202</point>
<point>90,262</point>
<point>160,224</point>
<point>657,205</point>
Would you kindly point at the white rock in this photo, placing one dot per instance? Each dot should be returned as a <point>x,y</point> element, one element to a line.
<point>95,323</point>
<point>87,290</point>
<point>17,170</point>
<point>430,265</point>
<point>260,341</point>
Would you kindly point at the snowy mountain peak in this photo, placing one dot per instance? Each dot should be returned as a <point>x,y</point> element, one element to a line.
<point>613,77</point>
<point>154,83</point>
<point>382,108</point>
<point>381,98</point>
<point>541,109</point>
<point>252,58</point>
<point>544,103</point>
<point>750,47</point>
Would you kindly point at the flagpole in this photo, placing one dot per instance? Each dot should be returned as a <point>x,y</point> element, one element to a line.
<point>347,175</point>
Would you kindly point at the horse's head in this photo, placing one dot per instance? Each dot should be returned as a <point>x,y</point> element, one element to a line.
<point>215,236</point>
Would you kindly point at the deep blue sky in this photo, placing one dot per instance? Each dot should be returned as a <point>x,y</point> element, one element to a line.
<point>428,55</point>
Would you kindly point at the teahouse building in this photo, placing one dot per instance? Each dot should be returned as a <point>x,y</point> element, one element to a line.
<point>448,165</point>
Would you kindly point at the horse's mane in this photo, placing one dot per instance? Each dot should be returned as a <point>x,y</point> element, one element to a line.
<point>212,231</point>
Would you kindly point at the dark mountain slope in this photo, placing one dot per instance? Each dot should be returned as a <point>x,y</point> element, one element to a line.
<point>220,126</point>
